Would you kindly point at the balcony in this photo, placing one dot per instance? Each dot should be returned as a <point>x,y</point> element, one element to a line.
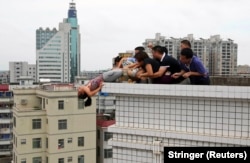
<point>5,142</point>
<point>6,100</point>
<point>6,121</point>
<point>5,152</point>
<point>5,130</point>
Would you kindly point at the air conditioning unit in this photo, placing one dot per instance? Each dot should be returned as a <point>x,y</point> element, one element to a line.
<point>24,101</point>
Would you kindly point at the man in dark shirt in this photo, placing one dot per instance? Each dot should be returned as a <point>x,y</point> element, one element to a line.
<point>192,68</point>
<point>169,66</point>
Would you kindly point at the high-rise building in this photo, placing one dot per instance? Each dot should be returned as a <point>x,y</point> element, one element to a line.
<point>4,77</point>
<point>18,69</point>
<point>151,117</point>
<point>223,56</point>
<point>50,124</point>
<point>58,51</point>
<point>6,103</point>
<point>218,56</point>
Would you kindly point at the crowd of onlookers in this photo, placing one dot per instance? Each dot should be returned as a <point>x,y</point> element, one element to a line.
<point>161,68</point>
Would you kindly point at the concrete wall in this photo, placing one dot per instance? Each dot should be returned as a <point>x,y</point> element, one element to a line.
<point>230,81</point>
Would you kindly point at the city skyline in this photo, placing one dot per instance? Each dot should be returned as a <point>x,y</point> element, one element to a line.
<point>110,27</point>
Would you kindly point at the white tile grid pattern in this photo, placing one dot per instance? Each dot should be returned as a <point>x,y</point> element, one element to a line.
<point>209,115</point>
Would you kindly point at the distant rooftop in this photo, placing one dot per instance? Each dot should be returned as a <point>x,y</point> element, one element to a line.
<point>58,87</point>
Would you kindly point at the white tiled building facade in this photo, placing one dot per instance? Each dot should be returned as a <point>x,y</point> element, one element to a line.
<point>151,117</point>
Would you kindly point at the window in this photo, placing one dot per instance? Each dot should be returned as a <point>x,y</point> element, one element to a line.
<point>14,139</point>
<point>43,103</point>
<point>23,160</point>
<point>36,123</point>
<point>69,140</point>
<point>108,153</point>
<point>98,151</point>
<point>81,159</point>
<point>14,121</point>
<point>98,134</point>
<point>37,143</point>
<point>61,105</point>
<point>107,136</point>
<point>60,143</point>
<point>47,142</point>
<point>81,104</point>
<point>23,141</point>
<point>47,160</point>
<point>62,124</point>
<point>80,141</point>
<point>70,159</point>
<point>37,160</point>
<point>61,160</point>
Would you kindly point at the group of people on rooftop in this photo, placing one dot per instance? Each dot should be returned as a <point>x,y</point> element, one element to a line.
<point>161,68</point>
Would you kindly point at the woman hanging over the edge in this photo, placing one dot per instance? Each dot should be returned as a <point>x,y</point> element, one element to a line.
<point>95,85</point>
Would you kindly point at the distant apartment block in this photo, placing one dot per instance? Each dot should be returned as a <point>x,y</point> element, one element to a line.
<point>6,104</point>
<point>50,124</point>
<point>58,51</point>
<point>4,77</point>
<point>218,55</point>
<point>18,69</point>
<point>244,70</point>
<point>151,117</point>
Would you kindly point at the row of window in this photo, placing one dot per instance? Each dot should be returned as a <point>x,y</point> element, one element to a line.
<point>37,142</point>
<point>37,123</point>
<point>80,159</point>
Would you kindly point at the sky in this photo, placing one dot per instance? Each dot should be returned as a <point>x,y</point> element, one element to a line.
<point>109,27</point>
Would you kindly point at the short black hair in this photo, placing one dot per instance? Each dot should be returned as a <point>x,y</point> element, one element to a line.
<point>165,49</point>
<point>186,42</point>
<point>140,48</point>
<point>160,49</point>
<point>187,52</point>
<point>140,56</point>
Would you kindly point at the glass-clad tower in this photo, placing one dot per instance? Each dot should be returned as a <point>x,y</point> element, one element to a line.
<point>74,42</point>
<point>58,51</point>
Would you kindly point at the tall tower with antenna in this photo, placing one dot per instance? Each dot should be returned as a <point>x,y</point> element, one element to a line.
<point>74,42</point>
<point>58,51</point>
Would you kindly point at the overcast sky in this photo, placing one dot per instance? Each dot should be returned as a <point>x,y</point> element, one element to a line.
<point>108,27</point>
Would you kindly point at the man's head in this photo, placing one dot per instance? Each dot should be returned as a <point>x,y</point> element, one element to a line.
<point>186,55</point>
<point>140,57</point>
<point>139,49</point>
<point>157,51</point>
<point>185,44</point>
